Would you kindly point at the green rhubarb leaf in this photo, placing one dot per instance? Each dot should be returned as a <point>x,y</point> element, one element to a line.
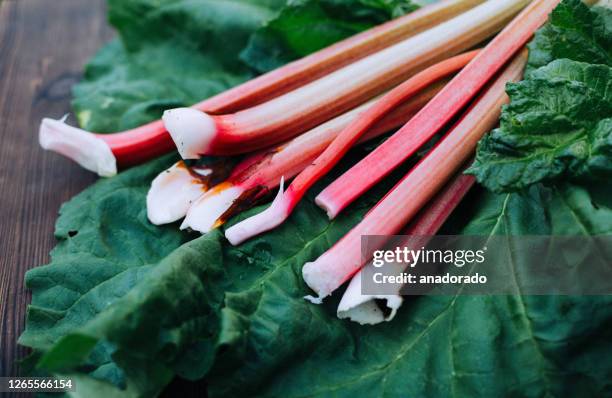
<point>130,305</point>
<point>576,32</point>
<point>105,246</point>
<point>558,125</point>
<point>466,346</point>
<point>305,26</point>
<point>125,323</point>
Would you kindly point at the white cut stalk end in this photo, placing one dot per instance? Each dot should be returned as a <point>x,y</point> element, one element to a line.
<point>79,145</point>
<point>328,205</point>
<point>268,219</point>
<point>363,308</point>
<point>171,194</point>
<point>314,299</point>
<point>191,130</point>
<point>317,277</point>
<point>203,215</point>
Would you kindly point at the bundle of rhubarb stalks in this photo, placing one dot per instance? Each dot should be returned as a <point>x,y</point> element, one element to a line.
<point>437,73</point>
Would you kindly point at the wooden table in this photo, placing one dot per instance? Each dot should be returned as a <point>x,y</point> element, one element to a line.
<point>43,47</point>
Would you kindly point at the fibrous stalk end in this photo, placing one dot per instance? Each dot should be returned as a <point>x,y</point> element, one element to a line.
<point>191,130</point>
<point>268,219</point>
<point>364,308</point>
<point>316,276</point>
<point>205,213</point>
<point>79,145</point>
<point>171,194</point>
<point>314,299</point>
<point>326,204</point>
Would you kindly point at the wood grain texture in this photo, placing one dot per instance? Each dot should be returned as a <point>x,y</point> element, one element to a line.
<point>44,45</point>
<point>43,48</point>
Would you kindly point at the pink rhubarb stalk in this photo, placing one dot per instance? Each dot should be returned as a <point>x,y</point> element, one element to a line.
<point>197,133</point>
<point>259,174</point>
<point>437,112</point>
<point>365,308</point>
<point>285,202</point>
<point>102,153</point>
<point>344,259</point>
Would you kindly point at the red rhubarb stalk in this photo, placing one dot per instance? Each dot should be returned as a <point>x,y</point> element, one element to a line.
<point>196,133</point>
<point>286,201</point>
<point>436,113</point>
<point>259,174</point>
<point>344,259</point>
<point>365,308</point>
<point>102,153</point>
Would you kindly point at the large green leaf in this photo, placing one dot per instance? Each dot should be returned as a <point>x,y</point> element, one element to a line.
<point>237,314</point>
<point>106,245</point>
<point>558,125</point>
<point>463,346</point>
<point>576,32</point>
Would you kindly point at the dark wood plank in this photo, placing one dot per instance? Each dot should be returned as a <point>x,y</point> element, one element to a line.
<point>43,47</point>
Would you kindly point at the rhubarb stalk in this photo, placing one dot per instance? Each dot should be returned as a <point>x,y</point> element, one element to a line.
<point>197,133</point>
<point>102,153</point>
<point>285,202</point>
<point>366,308</point>
<point>259,174</point>
<point>344,259</point>
<point>437,112</point>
